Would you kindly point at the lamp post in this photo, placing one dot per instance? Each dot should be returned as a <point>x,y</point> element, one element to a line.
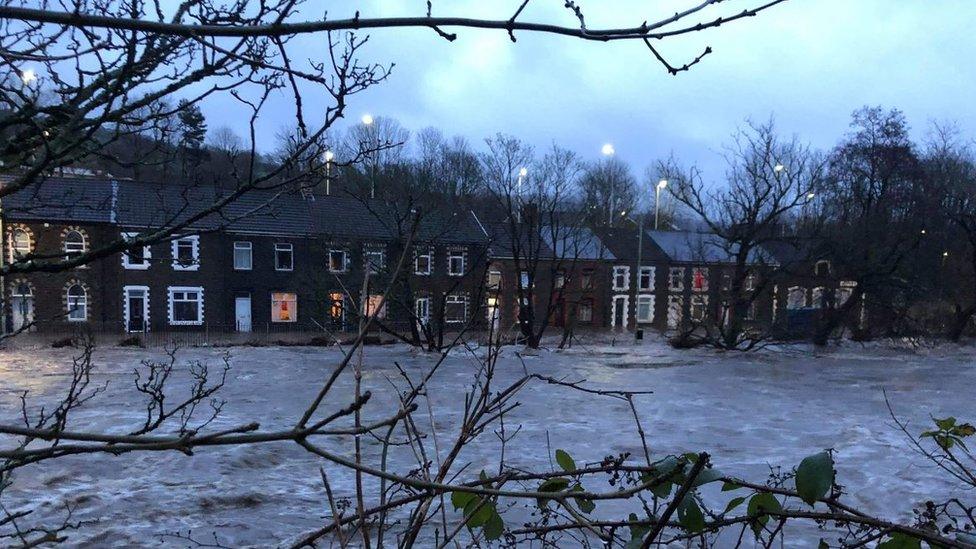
<point>368,122</point>
<point>608,151</point>
<point>518,190</point>
<point>657,200</point>
<point>329,155</point>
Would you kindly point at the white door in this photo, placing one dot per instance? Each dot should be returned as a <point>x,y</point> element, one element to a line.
<point>242,313</point>
<point>493,313</point>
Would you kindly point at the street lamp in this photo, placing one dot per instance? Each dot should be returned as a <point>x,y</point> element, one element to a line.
<point>778,168</point>
<point>608,151</point>
<point>521,177</point>
<point>28,76</point>
<point>661,185</point>
<point>329,155</point>
<point>368,122</point>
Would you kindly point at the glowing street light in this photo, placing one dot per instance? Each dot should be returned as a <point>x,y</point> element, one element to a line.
<point>778,168</point>
<point>28,76</point>
<point>368,119</point>
<point>607,149</point>
<point>810,196</point>
<point>661,185</point>
<point>329,156</point>
<point>522,173</point>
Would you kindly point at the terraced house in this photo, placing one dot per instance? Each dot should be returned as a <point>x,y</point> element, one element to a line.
<point>272,261</point>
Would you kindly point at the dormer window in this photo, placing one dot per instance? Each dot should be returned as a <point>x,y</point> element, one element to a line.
<point>455,263</point>
<point>822,268</point>
<point>74,244</point>
<point>186,253</point>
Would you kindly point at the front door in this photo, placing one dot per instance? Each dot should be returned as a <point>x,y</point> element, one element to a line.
<point>493,312</point>
<point>242,312</point>
<point>136,308</point>
<point>22,311</point>
<point>619,312</point>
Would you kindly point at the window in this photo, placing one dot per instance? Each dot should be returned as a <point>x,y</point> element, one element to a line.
<point>586,280</point>
<point>284,257</point>
<point>74,244</point>
<point>525,280</point>
<point>337,261</point>
<point>455,308</point>
<point>423,261</point>
<point>822,268</point>
<point>372,306</point>
<point>186,253</point>
<point>243,260</point>
<point>817,298</point>
<point>699,307</point>
<point>375,260</point>
<point>796,298</point>
<point>77,301</point>
<point>455,263</point>
<point>751,282</point>
<point>422,310</point>
<point>621,278</point>
<point>560,281</point>
<point>676,279</point>
<point>284,306</point>
<point>845,292</point>
<point>751,311</point>
<point>137,259</point>
<point>646,280</point>
<point>494,280</point>
<point>699,279</point>
<point>20,244</point>
<point>584,313</point>
<point>337,307</point>
<point>185,306</point>
<point>645,308</point>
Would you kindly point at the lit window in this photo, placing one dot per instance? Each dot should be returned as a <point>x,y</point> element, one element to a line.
<point>372,306</point>
<point>455,263</point>
<point>74,244</point>
<point>20,244</point>
<point>138,258</point>
<point>284,257</point>
<point>621,278</point>
<point>77,300</point>
<point>455,308</point>
<point>645,308</point>
<point>646,278</point>
<point>584,312</point>
<point>185,306</point>
<point>699,279</point>
<point>284,307</point>
<point>375,261</point>
<point>423,262</point>
<point>243,260</point>
<point>676,279</point>
<point>337,308</point>
<point>337,261</point>
<point>186,253</point>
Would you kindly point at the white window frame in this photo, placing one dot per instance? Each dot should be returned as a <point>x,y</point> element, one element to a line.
<point>705,275</point>
<point>427,253</point>
<point>14,252</point>
<point>651,275</point>
<point>84,243</point>
<point>83,303</point>
<point>345,260</point>
<point>497,275</point>
<point>244,245</point>
<point>194,241</point>
<point>146,255</point>
<point>284,247</point>
<point>456,254</point>
<point>368,265</point>
<point>294,316</point>
<point>625,299</point>
<point>453,299</point>
<point>125,306</point>
<point>421,310</point>
<point>648,300</point>
<point>171,290</point>
<point>679,273</point>
<point>624,272</point>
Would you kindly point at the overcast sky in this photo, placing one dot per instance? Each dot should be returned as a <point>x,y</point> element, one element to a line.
<point>808,63</point>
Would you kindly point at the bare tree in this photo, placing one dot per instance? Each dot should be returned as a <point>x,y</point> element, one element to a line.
<point>609,191</point>
<point>768,178</point>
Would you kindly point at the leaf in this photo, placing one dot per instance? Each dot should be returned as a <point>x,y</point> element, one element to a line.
<point>460,499</point>
<point>900,541</point>
<point>565,461</point>
<point>690,516</point>
<point>555,484</point>
<point>814,477</point>
<point>637,531</point>
<point>964,430</point>
<point>706,476</point>
<point>729,486</point>
<point>758,505</point>
<point>477,516</point>
<point>966,538</point>
<point>823,544</point>
<point>735,502</point>
<point>661,489</point>
<point>494,527</point>
<point>585,505</point>
<point>946,424</point>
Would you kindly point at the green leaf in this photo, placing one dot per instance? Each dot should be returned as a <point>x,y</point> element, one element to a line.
<point>759,504</point>
<point>662,489</point>
<point>706,476</point>
<point>634,543</point>
<point>565,461</point>
<point>477,516</point>
<point>814,477</point>
<point>494,527</point>
<point>946,424</point>
<point>555,484</point>
<point>637,532</point>
<point>584,504</point>
<point>690,516</point>
<point>729,486</point>
<point>823,544</point>
<point>900,541</point>
<point>460,499</point>
<point>735,502</point>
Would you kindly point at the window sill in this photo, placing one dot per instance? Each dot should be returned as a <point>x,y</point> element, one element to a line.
<point>190,268</point>
<point>284,270</point>
<point>243,269</point>
<point>186,323</point>
<point>136,267</point>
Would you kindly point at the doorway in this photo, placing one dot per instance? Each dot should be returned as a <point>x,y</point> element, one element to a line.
<point>242,312</point>
<point>22,307</point>
<point>619,313</point>
<point>136,308</point>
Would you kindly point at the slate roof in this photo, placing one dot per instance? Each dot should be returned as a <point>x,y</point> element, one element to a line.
<point>698,247</point>
<point>272,212</point>
<point>154,205</point>
<point>622,244</point>
<point>580,243</point>
<point>72,199</point>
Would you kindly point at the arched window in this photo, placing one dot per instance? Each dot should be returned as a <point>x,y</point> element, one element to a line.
<point>77,303</point>
<point>20,243</point>
<point>74,243</point>
<point>822,268</point>
<point>22,290</point>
